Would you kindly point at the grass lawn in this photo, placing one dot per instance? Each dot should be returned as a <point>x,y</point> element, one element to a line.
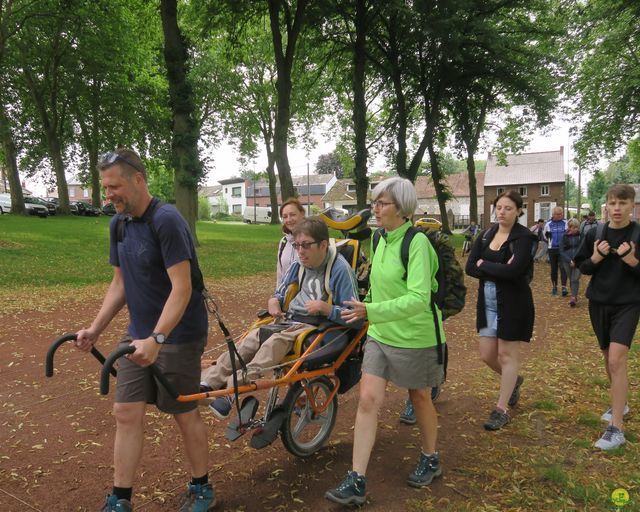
<point>74,250</point>
<point>59,251</point>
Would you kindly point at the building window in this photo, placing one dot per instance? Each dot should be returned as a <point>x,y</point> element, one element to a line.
<point>237,209</point>
<point>85,193</point>
<point>236,192</point>
<point>72,192</point>
<point>351,188</point>
<point>545,211</point>
<point>500,191</point>
<point>544,190</point>
<point>522,191</point>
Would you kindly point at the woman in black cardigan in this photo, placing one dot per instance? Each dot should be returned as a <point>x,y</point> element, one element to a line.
<point>502,260</point>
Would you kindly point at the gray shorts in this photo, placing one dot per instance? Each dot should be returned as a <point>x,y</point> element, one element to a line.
<point>410,368</point>
<point>180,363</point>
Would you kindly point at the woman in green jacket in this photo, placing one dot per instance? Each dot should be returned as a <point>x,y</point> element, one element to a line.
<point>401,341</point>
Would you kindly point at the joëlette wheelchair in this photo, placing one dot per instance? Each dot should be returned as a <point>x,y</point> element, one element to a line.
<point>325,361</point>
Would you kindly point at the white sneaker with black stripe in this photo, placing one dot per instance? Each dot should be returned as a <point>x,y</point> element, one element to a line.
<point>608,414</point>
<point>612,438</point>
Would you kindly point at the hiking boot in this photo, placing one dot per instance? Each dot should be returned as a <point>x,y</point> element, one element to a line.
<point>612,438</point>
<point>221,407</point>
<point>350,492</point>
<point>554,290</point>
<point>198,498</point>
<point>573,302</point>
<point>565,292</point>
<point>408,416</point>
<point>497,420</point>
<point>515,394</point>
<point>113,504</point>
<point>608,414</point>
<point>427,469</point>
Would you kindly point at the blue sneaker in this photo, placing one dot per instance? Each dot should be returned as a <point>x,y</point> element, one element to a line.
<point>350,492</point>
<point>113,504</point>
<point>199,498</point>
<point>427,469</point>
<point>408,416</point>
<point>221,407</point>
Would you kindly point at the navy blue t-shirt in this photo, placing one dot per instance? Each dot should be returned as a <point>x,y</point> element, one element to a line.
<point>146,282</point>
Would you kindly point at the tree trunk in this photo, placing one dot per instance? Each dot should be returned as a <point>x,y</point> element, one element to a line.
<point>9,149</point>
<point>360,105</point>
<point>271,174</point>
<point>441,195</point>
<point>185,130</point>
<point>284,66</point>
<point>473,195</point>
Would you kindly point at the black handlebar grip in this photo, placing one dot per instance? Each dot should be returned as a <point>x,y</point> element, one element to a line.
<point>118,353</point>
<point>52,350</point>
<point>108,366</point>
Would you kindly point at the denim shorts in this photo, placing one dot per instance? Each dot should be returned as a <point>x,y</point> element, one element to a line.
<point>490,310</point>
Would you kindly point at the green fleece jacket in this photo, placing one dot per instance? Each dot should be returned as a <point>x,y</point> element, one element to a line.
<point>399,311</point>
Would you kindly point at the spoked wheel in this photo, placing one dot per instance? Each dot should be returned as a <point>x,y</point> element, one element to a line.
<point>303,431</point>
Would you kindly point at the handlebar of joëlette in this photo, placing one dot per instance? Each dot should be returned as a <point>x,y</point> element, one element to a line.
<point>107,368</point>
<point>107,364</point>
<point>61,341</point>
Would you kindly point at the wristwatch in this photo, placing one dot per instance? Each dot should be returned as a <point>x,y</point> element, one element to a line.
<point>159,337</point>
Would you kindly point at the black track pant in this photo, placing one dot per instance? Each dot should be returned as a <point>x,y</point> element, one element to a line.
<point>554,259</point>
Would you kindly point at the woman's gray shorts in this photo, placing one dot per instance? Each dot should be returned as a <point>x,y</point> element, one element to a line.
<point>410,368</point>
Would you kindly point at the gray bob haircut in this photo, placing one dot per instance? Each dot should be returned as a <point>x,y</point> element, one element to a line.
<point>401,191</point>
<point>573,223</point>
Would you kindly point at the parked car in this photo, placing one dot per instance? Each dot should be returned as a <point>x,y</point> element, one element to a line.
<point>72,207</point>
<point>5,203</point>
<point>428,222</point>
<point>109,209</point>
<point>34,207</point>
<point>52,208</point>
<point>87,209</point>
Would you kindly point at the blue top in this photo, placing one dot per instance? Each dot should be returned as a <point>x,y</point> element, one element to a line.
<point>569,245</point>
<point>342,283</point>
<point>144,264</point>
<point>553,230</point>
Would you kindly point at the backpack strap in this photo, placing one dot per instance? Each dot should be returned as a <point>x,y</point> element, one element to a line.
<point>601,230</point>
<point>406,244</point>
<point>376,239</point>
<point>282,244</point>
<point>333,254</point>
<point>404,256</point>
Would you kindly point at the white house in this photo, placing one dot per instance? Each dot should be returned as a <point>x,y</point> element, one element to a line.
<point>234,195</point>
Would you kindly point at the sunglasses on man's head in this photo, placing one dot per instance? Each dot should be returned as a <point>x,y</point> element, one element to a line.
<point>112,157</point>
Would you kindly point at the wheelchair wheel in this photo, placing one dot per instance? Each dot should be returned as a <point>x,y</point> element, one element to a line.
<point>303,432</point>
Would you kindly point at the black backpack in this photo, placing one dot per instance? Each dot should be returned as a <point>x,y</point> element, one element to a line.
<point>601,231</point>
<point>197,281</point>
<point>451,294</point>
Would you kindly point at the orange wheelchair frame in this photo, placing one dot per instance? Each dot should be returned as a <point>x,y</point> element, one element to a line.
<point>306,416</point>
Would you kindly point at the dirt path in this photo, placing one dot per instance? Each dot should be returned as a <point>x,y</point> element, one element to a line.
<point>56,434</point>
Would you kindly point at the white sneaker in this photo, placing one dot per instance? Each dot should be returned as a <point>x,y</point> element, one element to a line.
<point>612,438</point>
<point>608,415</point>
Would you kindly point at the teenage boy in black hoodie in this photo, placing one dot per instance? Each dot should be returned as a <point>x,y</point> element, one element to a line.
<point>610,256</point>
